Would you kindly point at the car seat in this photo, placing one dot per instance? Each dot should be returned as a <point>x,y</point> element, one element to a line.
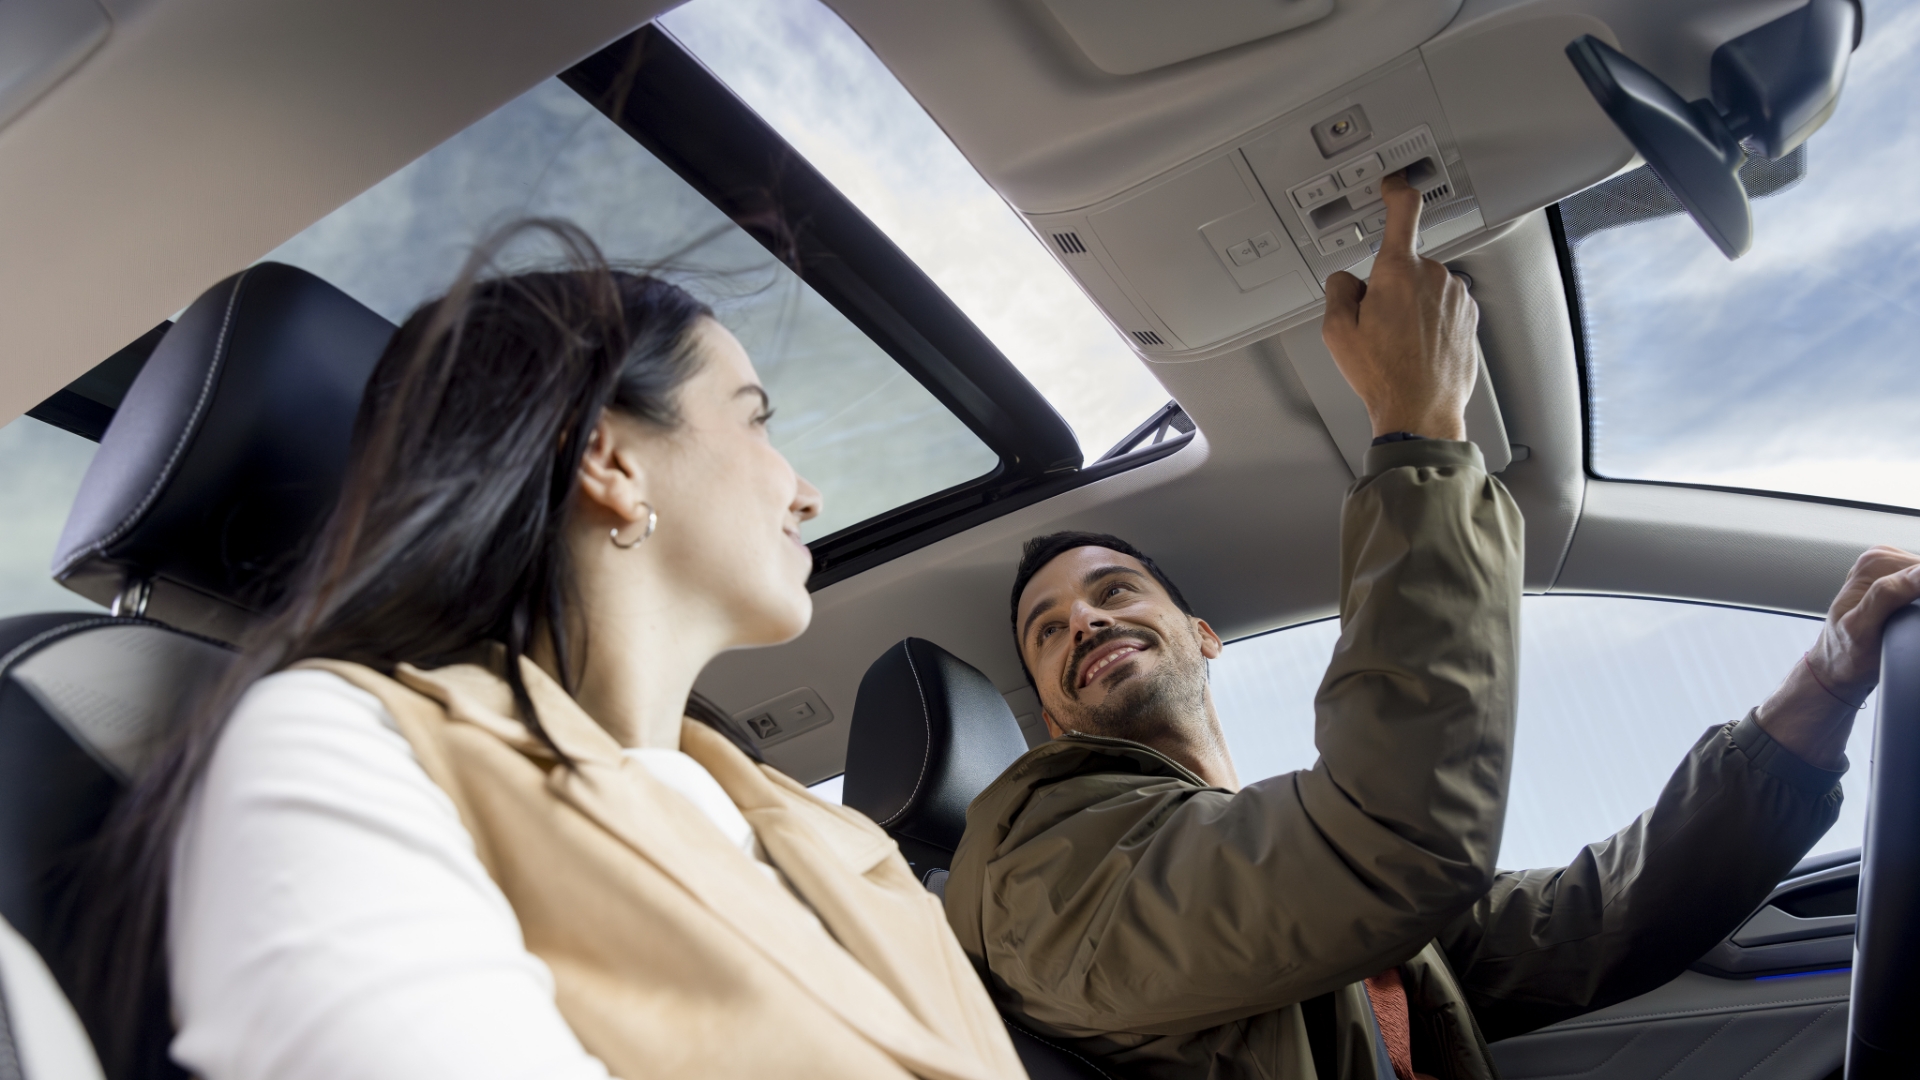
<point>929,733</point>
<point>223,458</point>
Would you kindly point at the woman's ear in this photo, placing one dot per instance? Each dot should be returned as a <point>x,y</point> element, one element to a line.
<point>611,476</point>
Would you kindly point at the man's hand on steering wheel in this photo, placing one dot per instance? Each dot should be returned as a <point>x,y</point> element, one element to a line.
<point>1812,713</point>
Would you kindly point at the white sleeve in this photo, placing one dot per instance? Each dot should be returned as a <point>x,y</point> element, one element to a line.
<point>329,919</point>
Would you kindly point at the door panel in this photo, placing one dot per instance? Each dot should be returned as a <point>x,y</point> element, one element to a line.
<point>1749,1010</point>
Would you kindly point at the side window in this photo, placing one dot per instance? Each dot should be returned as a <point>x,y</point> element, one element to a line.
<point>1613,691</point>
<point>42,470</point>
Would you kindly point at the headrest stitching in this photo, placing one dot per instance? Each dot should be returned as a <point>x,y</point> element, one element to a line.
<point>926,751</point>
<point>99,547</point>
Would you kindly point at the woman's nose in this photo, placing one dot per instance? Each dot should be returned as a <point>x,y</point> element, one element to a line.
<point>807,501</point>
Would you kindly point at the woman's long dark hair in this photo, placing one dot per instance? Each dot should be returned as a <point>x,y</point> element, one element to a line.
<point>449,535</point>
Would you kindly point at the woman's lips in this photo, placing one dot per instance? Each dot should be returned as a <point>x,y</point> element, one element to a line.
<point>1104,659</point>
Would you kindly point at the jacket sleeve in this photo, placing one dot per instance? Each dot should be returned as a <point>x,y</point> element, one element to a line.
<point>1632,911</point>
<point>1142,903</point>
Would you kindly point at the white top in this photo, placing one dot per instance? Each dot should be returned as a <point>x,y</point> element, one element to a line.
<point>329,919</point>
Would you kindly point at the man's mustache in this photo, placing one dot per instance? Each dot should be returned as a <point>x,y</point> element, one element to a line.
<point>1086,648</point>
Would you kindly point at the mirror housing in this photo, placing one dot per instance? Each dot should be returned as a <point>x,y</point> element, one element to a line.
<point>1772,87</point>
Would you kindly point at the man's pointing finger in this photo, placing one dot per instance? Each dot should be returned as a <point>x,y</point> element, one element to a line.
<point>1403,218</point>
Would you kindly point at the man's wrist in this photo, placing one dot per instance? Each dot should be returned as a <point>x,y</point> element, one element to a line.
<point>1807,721</point>
<point>1453,428</point>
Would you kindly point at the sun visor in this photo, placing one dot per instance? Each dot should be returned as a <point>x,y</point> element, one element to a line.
<point>1345,416</point>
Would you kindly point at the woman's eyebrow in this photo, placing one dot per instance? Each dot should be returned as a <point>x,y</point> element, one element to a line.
<point>755,388</point>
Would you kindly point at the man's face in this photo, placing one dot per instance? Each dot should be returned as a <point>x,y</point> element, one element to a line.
<point>1110,652</point>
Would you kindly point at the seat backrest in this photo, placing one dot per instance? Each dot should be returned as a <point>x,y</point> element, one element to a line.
<point>224,456</point>
<point>929,732</point>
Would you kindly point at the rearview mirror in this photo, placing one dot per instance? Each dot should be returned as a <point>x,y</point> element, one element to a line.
<point>1772,87</point>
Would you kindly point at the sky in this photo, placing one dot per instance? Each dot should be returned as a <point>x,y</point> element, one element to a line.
<point>1793,368</point>
<point>811,77</point>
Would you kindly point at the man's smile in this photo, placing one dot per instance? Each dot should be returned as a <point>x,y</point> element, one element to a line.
<point>1105,657</point>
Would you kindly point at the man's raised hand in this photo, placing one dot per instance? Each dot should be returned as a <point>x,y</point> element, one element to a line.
<point>1404,337</point>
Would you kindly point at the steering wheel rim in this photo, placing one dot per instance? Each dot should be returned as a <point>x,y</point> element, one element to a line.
<point>1882,1036</point>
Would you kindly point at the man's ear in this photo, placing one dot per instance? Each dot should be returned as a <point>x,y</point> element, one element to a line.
<point>1054,730</point>
<point>1210,646</point>
<point>611,476</point>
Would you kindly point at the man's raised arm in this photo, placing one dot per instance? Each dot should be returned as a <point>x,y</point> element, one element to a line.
<point>1122,894</point>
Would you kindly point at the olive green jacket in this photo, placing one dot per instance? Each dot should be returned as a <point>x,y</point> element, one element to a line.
<point>1112,899</point>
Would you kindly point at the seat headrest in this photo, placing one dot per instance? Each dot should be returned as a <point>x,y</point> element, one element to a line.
<point>929,732</point>
<point>226,453</point>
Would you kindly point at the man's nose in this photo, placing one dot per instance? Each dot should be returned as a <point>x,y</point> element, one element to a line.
<point>1087,620</point>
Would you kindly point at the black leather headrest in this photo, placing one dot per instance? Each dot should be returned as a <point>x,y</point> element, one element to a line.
<point>226,453</point>
<point>929,732</point>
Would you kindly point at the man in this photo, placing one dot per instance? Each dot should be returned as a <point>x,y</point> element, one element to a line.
<point>1119,889</point>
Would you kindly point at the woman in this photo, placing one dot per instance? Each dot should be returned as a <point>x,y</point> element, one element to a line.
<point>448,820</point>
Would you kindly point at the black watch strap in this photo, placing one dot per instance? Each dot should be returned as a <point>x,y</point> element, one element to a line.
<point>1395,436</point>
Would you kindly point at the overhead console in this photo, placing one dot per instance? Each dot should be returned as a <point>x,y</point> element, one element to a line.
<point>1233,244</point>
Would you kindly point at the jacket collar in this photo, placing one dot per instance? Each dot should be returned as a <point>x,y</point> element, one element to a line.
<point>815,847</point>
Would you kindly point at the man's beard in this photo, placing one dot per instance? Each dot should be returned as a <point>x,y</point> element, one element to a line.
<point>1170,698</point>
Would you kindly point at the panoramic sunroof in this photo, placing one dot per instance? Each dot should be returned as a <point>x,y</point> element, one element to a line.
<point>1792,369</point>
<point>815,82</point>
<point>848,416</point>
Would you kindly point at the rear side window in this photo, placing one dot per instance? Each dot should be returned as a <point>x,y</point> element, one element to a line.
<point>40,471</point>
<point>1613,691</point>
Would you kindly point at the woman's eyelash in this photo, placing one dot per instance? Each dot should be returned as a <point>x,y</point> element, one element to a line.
<point>764,416</point>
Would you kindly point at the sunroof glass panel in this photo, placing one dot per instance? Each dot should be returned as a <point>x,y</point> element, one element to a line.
<point>848,417</point>
<point>1792,369</point>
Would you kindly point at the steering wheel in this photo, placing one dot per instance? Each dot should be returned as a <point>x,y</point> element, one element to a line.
<point>1882,1033</point>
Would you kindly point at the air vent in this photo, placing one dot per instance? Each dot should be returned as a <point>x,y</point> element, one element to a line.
<point>1438,193</point>
<point>1147,337</point>
<point>1069,243</point>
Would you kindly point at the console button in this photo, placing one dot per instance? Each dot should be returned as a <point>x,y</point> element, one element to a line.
<point>1339,240</point>
<point>1360,171</point>
<point>1314,192</point>
<point>1375,221</point>
<point>1242,253</point>
<point>1367,191</point>
<point>1265,244</point>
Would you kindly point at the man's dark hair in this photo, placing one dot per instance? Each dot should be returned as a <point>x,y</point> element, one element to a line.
<point>1042,550</point>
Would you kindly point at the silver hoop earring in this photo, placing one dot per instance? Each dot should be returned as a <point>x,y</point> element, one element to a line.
<point>653,519</point>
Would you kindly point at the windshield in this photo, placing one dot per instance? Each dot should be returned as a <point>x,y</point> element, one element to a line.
<point>1791,369</point>
<point>849,418</point>
<point>812,78</point>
